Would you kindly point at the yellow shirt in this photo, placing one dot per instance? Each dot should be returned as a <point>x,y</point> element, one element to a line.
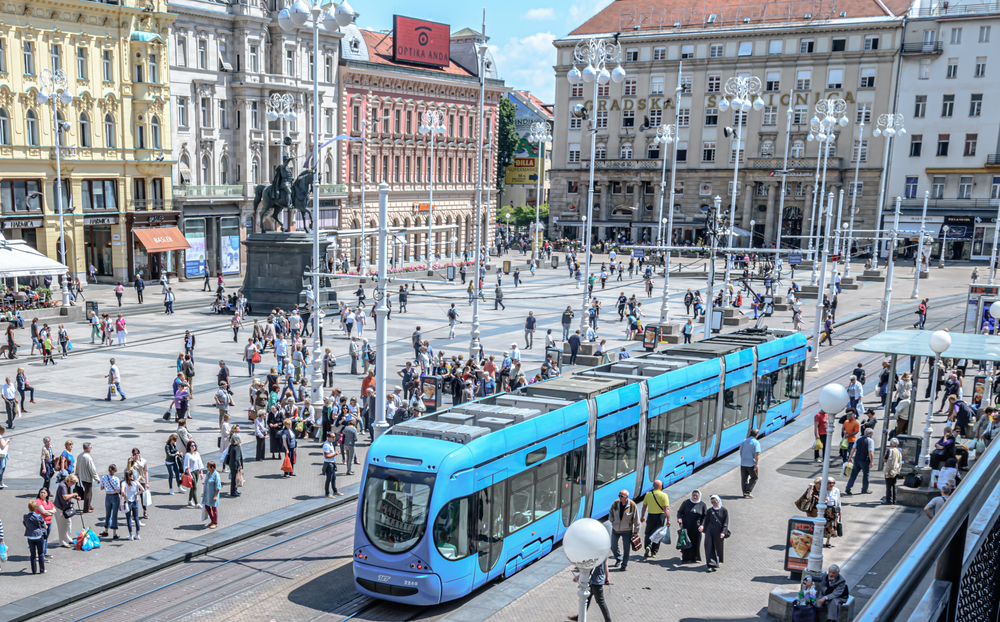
<point>656,501</point>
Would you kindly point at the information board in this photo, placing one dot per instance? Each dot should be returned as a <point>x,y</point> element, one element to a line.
<point>798,543</point>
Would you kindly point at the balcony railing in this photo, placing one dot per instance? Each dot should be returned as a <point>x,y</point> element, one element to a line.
<point>943,9</point>
<point>333,188</point>
<point>993,159</point>
<point>145,205</point>
<point>799,164</point>
<point>64,153</point>
<point>625,165</point>
<point>185,191</point>
<point>951,203</point>
<point>920,47</point>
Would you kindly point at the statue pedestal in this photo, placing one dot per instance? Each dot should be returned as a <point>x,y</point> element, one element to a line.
<point>276,263</point>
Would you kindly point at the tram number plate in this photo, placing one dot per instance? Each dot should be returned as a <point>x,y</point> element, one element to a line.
<point>413,583</point>
<point>384,577</point>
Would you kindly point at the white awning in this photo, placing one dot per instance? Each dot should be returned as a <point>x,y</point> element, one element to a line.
<point>19,259</point>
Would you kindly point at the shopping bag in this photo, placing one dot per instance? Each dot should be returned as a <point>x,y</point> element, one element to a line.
<point>255,357</point>
<point>682,540</point>
<point>114,390</point>
<point>848,469</point>
<point>147,498</point>
<point>69,345</point>
<point>844,444</point>
<point>240,480</point>
<point>187,481</point>
<point>818,445</point>
<point>286,466</point>
<point>204,513</point>
<point>661,535</point>
<point>636,542</point>
<point>980,446</point>
<point>3,552</point>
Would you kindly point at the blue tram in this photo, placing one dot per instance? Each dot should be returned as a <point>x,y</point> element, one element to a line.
<point>456,498</point>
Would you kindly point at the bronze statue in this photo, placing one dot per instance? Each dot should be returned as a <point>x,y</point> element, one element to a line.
<point>284,193</point>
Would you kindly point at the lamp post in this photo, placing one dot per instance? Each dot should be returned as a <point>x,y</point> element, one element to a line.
<point>508,227</point>
<point>586,544</point>
<point>920,248</point>
<point>889,124</point>
<point>665,135</point>
<point>854,196</point>
<point>781,199</point>
<point>944,246</point>
<point>711,268</point>
<point>740,89</point>
<point>822,127</point>
<point>364,181</point>
<point>664,302</point>
<point>281,106</point>
<point>432,122</point>
<point>540,133</point>
<point>474,332</point>
<point>55,87</point>
<point>453,240</point>
<point>891,259</point>
<point>814,361</point>
<point>832,399</point>
<point>939,341</point>
<point>597,54</point>
<point>331,19</point>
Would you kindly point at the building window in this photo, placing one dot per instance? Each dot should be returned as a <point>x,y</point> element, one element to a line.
<point>312,66</point>
<point>937,187</point>
<point>3,56</point>
<point>138,74</point>
<point>737,153</point>
<point>575,123</point>
<point>770,116</point>
<point>328,69</point>
<point>409,122</point>
<point>733,189</point>
<point>686,82</point>
<point>601,119</point>
<point>420,168</point>
<point>714,84</point>
<point>290,63</point>
<point>628,118</point>
<point>681,151</point>
<point>774,47</point>
<point>984,34</point>
<point>916,145</point>
<point>224,171</point>
<point>29,58</point>
<point>942,145</point>
<point>109,72</point>
<point>687,51</point>
<point>980,66</point>
<point>760,189</point>
<point>574,154</point>
<point>656,85</point>
<point>952,71</point>
<point>839,44</point>
<point>924,72</point>
<point>856,189</point>
<point>206,112</point>
<point>109,131</point>
<point>202,54</point>
<point>181,51</point>
<point>746,48</point>
<point>683,117</point>
<point>910,189</point>
<point>970,144</point>
<point>56,58</point>
<point>653,151</point>
<point>805,46</point>
<point>395,169</point>
<point>867,78</point>
<point>154,69</point>
<point>603,90</point>
<point>655,118</point>
<point>81,63</point>
<point>798,149</point>
<point>920,107</point>
<point>576,90</point>
<point>254,116</point>
<point>223,115</point>
<point>739,118</point>
<point>800,115</point>
<point>628,89</point>
<point>154,132</point>
<point>995,188</point>
<point>871,42</point>
<point>631,55</point>
<point>772,81</point>
<point>864,113</point>
<point>711,116</point>
<point>407,173</point>
<point>965,187</point>
<point>715,50</point>
<point>947,106</point>
<point>659,53</point>
<point>31,128</point>
<point>975,104</point>
<point>803,80</point>
<point>708,151</point>
<point>254,63</point>
<point>84,129</point>
<point>385,168</point>
<point>625,153</point>
<point>835,79</point>
<point>767,149</point>
<point>616,187</point>
<point>860,152</point>
<point>956,36</point>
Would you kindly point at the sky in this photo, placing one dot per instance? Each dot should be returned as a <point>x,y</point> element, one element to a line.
<point>520,33</point>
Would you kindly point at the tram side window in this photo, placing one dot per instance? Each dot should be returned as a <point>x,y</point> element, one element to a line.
<point>574,480</point>
<point>656,442</point>
<point>795,380</point>
<point>522,500</point>
<point>616,455</point>
<point>546,488</point>
<point>736,407</point>
<point>454,529</point>
<point>533,495</point>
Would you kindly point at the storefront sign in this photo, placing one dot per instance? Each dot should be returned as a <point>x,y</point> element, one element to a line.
<point>100,220</point>
<point>22,224</point>
<point>798,543</point>
<point>116,237</point>
<point>712,101</point>
<point>522,172</point>
<point>156,218</point>
<point>195,257</point>
<point>419,41</point>
<point>422,207</point>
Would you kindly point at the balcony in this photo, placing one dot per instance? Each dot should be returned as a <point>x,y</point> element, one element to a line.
<point>65,153</point>
<point>951,203</point>
<point>945,10</point>
<point>625,165</point>
<point>327,189</point>
<point>799,164</point>
<point>993,159</point>
<point>147,205</point>
<point>208,192</point>
<point>920,47</point>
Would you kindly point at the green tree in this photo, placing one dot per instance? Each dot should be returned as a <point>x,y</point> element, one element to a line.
<point>507,139</point>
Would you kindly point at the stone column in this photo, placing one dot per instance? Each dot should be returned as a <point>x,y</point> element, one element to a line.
<point>771,219</point>
<point>749,195</point>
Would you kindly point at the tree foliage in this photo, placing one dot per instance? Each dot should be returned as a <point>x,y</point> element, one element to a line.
<point>523,216</point>
<point>507,140</point>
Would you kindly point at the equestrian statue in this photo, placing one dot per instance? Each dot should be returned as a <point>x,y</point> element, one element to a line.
<point>284,193</point>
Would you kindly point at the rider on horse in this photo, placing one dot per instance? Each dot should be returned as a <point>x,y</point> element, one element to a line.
<point>281,187</point>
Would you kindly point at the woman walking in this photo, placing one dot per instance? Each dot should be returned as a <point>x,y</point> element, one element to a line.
<point>112,487</point>
<point>46,510</point>
<point>194,467</point>
<point>236,325</point>
<point>289,443</point>
<point>63,337</point>
<point>131,490</point>
<point>249,357</point>
<point>691,518</point>
<point>832,513</point>
<point>121,330</point>
<point>274,425</point>
<point>234,460</point>
<point>140,466</point>
<point>95,328</point>
<point>210,498</point>
<point>119,290</point>
<point>716,529</point>
<point>173,462</point>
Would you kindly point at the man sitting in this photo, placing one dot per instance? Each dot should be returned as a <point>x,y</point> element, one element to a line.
<point>833,593</point>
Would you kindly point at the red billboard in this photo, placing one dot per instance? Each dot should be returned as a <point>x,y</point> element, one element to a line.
<point>419,41</point>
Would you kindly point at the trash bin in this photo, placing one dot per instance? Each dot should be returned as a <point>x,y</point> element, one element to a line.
<point>555,262</point>
<point>92,305</point>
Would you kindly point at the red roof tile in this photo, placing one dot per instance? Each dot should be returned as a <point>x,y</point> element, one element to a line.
<point>545,108</point>
<point>380,52</point>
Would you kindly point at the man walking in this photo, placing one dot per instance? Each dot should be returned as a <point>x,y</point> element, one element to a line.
<point>355,352</point>
<point>9,401</point>
<point>529,330</point>
<point>862,454</point>
<point>749,457</point>
<point>330,466</point>
<point>574,347</point>
<point>624,517</point>
<point>114,382</point>
<point>452,320</point>
<point>168,301</point>
<point>658,504</point>
<point>417,341</point>
<point>567,321</point>
<point>139,286</point>
<point>498,298</point>
<point>893,465</point>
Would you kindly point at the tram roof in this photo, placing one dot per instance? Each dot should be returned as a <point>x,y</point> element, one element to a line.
<point>917,343</point>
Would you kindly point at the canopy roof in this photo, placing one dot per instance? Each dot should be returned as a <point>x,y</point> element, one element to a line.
<point>19,259</point>
<point>916,343</point>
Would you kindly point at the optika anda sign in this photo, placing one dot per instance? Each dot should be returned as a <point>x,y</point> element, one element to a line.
<point>419,41</point>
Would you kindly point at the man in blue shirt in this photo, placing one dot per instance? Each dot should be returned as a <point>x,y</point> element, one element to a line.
<point>749,454</point>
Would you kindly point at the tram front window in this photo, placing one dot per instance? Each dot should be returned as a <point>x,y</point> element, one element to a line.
<point>394,512</point>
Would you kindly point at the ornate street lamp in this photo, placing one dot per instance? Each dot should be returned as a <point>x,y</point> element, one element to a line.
<point>832,399</point>
<point>432,123</point>
<point>822,127</point>
<point>540,133</point>
<point>890,124</point>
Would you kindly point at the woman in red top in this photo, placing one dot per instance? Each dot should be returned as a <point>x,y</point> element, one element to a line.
<point>820,423</point>
<point>46,510</point>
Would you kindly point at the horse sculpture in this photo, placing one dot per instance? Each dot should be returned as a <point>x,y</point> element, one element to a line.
<point>301,188</point>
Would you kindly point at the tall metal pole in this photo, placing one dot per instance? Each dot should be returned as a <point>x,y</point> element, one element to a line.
<point>541,134</point>
<point>57,84</point>
<point>726,300</point>
<point>993,252</point>
<point>814,361</point>
<point>920,248</point>
<point>430,209</point>
<point>837,246</point>
<point>317,357</point>
<point>364,183</point>
<point>381,314</point>
<point>474,335</point>
<point>588,226</point>
<point>887,294</point>
<point>665,302</point>
<point>854,199</point>
<point>784,178</point>
<point>813,237</point>
<point>889,124</point>
<point>826,232</point>
<point>711,270</point>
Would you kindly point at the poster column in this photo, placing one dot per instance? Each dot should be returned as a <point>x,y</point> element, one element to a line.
<point>194,231</point>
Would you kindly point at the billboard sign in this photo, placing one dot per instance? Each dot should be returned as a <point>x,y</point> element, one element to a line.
<point>522,171</point>
<point>421,42</point>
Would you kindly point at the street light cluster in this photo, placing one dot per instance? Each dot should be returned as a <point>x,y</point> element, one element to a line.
<point>55,88</point>
<point>540,133</point>
<point>432,124</point>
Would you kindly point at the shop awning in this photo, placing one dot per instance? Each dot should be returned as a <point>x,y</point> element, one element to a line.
<point>19,259</point>
<point>159,239</point>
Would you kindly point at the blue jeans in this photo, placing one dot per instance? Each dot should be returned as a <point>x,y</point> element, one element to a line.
<point>626,540</point>
<point>864,468</point>
<point>172,475</point>
<point>111,511</point>
<point>3,467</point>
<point>132,512</point>
<point>566,328</point>
<point>117,387</point>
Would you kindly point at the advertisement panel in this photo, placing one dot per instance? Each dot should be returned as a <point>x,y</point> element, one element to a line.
<point>231,254</point>
<point>419,41</point>
<point>194,231</point>
<point>798,543</point>
<point>522,171</point>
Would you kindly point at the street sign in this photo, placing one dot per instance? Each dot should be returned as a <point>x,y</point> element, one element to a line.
<point>794,259</point>
<point>791,173</point>
<point>782,171</point>
<point>834,258</point>
<point>638,253</point>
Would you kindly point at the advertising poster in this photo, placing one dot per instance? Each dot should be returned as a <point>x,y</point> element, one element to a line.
<point>798,543</point>
<point>195,256</point>
<point>231,254</point>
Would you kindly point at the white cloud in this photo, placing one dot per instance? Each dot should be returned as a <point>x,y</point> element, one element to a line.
<point>539,14</point>
<point>526,64</point>
<point>582,10</point>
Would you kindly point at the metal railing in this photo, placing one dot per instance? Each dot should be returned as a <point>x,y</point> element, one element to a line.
<point>947,9</point>
<point>798,164</point>
<point>333,188</point>
<point>186,191</point>
<point>920,47</point>
<point>957,203</point>
<point>993,159</point>
<point>145,205</point>
<point>958,551</point>
<point>626,164</point>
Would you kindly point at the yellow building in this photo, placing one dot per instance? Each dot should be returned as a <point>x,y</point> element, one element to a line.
<point>115,152</point>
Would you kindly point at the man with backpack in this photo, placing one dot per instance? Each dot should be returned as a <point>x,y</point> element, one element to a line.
<point>452,320</point>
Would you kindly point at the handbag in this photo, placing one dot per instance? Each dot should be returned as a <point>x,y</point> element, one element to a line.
<point>818,445</point>
<point>187,481</point>
<point>804,503</point>
<point>682,540</point>
<point>636,542</point>
<point>69,512</point>
<point>848,469</point>
<point>240,480</point>
<point>147,498</point>
<point>844,444</point>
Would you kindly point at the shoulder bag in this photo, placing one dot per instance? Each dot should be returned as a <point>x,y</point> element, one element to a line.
<point>804,502</point>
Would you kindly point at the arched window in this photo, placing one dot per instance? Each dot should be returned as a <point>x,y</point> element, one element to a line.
<point>626,151</point>
<point>31,127</point>
<point>84,130</point>
<point>4,127</point>
<point>109,131</point>
<point>140,136</point>
<point>224,171</point>
<point>767,149</point>
<point>154,132</point>
<point>798,149</point>
<point>255,171</point>
<point>328,175</point>
<point>206,171</point>
<point>600,152</point>
<point>60,132</point>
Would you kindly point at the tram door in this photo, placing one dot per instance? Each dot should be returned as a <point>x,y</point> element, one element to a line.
<point>491,500</point>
